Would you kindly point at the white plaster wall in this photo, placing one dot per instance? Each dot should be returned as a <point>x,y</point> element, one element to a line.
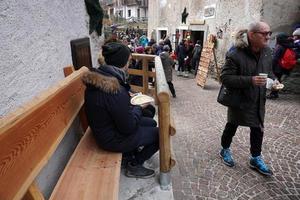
<point>133,11</point>
<point>35,45</point>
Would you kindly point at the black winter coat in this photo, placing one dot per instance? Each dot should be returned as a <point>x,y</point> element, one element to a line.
<point>240,65</point>
<point>111,117</point>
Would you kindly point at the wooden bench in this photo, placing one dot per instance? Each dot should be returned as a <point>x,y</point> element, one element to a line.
<point>29,136</point>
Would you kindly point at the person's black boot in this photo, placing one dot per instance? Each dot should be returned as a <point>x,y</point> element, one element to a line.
<point>138,171</point>
<point>126,158</point>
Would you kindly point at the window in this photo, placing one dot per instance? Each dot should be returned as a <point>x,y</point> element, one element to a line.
<point>121,13</point>
<point>129,13</point>
<point>138,13</point>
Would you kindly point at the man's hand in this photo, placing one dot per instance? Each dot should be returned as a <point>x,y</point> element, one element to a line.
<point>259,80</point>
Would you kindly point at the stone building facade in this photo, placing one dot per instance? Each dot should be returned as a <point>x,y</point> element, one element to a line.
<point>219,17</point>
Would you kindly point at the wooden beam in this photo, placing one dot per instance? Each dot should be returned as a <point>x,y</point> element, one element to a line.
<point>141,56</point>
<point>140,72</point>
<point>82,116</point>
<point>33,193</point>
<point>164,135</point>
<point>29,137</point>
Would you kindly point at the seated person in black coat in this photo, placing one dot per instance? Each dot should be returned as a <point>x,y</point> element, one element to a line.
<point>116,124</point>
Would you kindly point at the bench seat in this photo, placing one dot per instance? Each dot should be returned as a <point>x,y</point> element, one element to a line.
<point>91,173</point>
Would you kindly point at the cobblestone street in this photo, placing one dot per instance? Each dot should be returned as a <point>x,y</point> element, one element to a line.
<point>200,173</point>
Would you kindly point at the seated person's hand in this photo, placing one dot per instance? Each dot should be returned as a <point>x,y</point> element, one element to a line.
<point>131,94</point>
<point>145,105</point>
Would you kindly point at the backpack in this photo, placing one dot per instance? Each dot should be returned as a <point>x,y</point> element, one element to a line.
<point>288,60</point>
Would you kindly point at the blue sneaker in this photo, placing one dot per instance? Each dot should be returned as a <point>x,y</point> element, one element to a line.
<point>227,158</point>
<point>259,164</point>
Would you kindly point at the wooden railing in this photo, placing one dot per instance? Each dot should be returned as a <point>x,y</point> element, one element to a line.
<point>166,125</point>
<point>145,73</point>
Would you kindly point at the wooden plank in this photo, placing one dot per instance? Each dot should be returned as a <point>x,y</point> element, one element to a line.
<point>141,56</point>
<point>140,72</point>
<point>217,68</point>
<point>145,76</point>
<point>82,116</point>
<point>91,173</point>
<point>33,193</point>
<point>29,137</point>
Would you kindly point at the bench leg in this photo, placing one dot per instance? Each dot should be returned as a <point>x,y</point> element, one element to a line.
<point>165,180</point>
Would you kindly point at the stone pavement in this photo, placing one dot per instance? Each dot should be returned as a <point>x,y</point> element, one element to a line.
<point>199,172</point>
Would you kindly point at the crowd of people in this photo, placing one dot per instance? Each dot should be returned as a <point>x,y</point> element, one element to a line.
<point>187,54</point>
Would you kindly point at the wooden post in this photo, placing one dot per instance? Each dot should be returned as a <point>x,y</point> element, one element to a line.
<point>164,135</point>
<point>145,76</point>
<point>216,64</point>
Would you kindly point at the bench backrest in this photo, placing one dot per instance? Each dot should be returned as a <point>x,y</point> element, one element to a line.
<point>29,136</point>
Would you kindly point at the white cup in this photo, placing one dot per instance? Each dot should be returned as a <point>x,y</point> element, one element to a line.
<point>264,75</point>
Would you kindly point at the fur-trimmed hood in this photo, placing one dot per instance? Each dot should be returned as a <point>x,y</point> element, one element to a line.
<point>107,78</point>
<point>241,39</point>
<point>107,84</point>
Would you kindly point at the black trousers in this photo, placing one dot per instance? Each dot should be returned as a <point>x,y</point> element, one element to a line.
<point>181,65</point>
<point>171,87</point>
<point>149,140</point>
<point>256,138</point>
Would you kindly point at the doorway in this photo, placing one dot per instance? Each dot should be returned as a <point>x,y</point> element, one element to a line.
<point>197,35</point>
<point>162,34</point>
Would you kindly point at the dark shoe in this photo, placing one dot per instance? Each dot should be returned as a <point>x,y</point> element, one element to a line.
<point>126,158</point>
<point>174,95</point>
<point>259,164</point>
<point>138,171</point>
<point>227,157</point>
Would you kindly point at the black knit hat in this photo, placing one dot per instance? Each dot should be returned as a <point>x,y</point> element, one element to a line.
<point>282,38</point>
<point>115,54</point>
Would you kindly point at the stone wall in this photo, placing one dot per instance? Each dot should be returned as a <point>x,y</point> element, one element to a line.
<point>281,15</point>
<point>35,46</point>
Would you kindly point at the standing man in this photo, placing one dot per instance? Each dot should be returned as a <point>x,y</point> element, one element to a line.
<point>249,57</point>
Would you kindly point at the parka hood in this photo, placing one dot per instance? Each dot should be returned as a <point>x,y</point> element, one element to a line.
<point>107,84</point>
<point>164,55</point>
<point>241,39</point>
